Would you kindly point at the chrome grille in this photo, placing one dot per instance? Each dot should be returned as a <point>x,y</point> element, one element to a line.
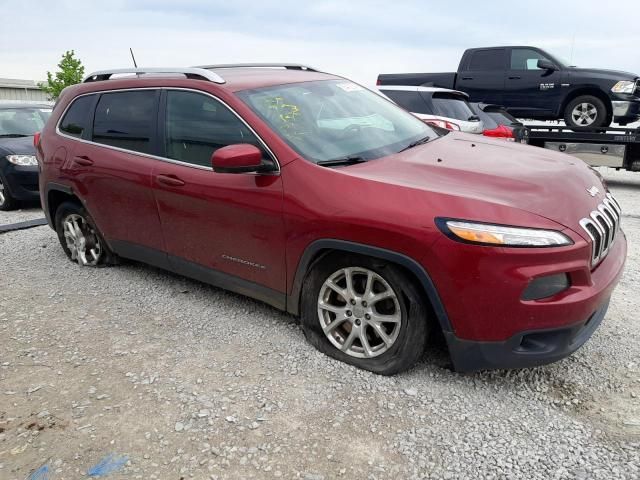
<point>602,226</point>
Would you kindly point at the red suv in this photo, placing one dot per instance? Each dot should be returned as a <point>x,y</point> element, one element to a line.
<point>319,197</point>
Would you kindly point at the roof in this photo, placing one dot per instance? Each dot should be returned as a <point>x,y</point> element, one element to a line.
<point>230,77</point>
<point>414,88</point>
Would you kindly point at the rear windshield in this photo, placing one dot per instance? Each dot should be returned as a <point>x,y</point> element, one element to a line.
<point>22,122</point>
<point>411,101</point>
<point>451,105</point>
<point>501,117</point>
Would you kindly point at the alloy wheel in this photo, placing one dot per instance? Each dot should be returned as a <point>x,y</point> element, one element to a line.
<point>359,312</point>
<point>3,198</point>
<point>81,240</point>
<point>584,114</point>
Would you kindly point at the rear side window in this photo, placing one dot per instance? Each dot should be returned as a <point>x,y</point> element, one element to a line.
<point>197,125</point>
<point>487,60</point>
<point>76,120</point>
<point>411,101</point>
<point>126,120</point>
<point>451,106</point>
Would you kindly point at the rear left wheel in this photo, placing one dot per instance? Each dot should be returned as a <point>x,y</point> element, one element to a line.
<point>365,312</point>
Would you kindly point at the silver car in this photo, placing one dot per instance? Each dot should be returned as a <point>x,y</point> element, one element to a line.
<point>442,107</point>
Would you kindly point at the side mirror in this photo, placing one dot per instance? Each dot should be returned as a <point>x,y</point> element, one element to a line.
<point>238,158</point>
<point>545,64</point>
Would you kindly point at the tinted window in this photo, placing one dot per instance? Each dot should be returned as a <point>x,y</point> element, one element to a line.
<point>197,125</point>
<point>486,119</point>
<point>451,106</point>
<point>487,60</point>
<point>525,59</point>
<point>411,101</point>
<point>126,120</point>
<point>76,119</point>
<point>502,117</point>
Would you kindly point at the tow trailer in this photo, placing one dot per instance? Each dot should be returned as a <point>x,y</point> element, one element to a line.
<point>618,148</point>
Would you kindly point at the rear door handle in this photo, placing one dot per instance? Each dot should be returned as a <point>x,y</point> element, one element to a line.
<point>169,180</point>
<point>83,160</point>
<point>467,78</point>
<point>514,78</point>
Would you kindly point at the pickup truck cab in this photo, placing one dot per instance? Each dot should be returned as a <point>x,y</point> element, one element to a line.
<point>532,83</point>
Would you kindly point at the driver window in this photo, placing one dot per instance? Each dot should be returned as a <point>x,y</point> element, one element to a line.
<point>525,59</point>
<point>197,125</point>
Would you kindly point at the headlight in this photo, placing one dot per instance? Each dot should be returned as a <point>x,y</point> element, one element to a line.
<point>500,235</point>
<point>624,86</point>
<point>23,160</point>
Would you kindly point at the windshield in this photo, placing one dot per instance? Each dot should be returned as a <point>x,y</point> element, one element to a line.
<point>452,106</point>
<point>336,119</point>
<point>22,122</point>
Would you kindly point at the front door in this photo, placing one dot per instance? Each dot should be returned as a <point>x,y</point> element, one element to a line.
<point>221,227</point>
<point>530,91</point>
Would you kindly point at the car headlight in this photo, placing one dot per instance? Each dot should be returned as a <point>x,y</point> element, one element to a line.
<point>624,86</point>
<point>501,235</point>
<point>23,160</point>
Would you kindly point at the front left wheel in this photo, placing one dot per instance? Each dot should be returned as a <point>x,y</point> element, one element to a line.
<point>80,238</point>
<point>365,312</point>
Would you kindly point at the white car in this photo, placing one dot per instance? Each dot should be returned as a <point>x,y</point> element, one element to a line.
<point>442,107</point>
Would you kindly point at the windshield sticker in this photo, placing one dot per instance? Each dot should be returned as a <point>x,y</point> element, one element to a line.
<point>349,87</point>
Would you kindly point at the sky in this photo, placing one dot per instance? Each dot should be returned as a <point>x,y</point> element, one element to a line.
<point>354,38</point>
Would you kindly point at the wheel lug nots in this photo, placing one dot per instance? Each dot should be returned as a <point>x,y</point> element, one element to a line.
<point>358,321</point>
<point>349,313</point>
<point>367,316</point>
<point>352,301</point>
<point>364,304</point>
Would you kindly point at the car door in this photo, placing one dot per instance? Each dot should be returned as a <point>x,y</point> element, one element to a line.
<point>111,166</point>
<point>529,90</point>
<point>482,77</point>
<point>225,228</point>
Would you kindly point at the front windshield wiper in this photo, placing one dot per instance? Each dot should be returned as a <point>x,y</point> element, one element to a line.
<point>341,161</point>
<point>14,135</point>
<point>416,143</point>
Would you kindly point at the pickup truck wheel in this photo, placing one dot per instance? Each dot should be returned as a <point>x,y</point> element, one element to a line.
<point>586,111</point>
<point>80,238</point>
<point>364,312</point>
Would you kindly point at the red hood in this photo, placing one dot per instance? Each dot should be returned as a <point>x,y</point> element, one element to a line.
<point>545,183</point>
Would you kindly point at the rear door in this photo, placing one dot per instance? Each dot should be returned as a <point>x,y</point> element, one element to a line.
<point>482,75</point>
<point>530,91</point>
<point>225,228</point>
<point>111,166</point>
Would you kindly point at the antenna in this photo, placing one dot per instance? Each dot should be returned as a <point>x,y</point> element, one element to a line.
<point>133,58</point>
<point>573,41</point>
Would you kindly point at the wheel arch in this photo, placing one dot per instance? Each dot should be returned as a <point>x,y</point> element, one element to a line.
<point>593,91</point>
<point>55,195</point>
<point>320,248</point>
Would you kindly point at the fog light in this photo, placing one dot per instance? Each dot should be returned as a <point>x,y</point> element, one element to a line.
<point>548,286</point>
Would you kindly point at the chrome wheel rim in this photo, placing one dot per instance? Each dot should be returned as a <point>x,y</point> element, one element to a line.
<point>584,114</point>
<point>2,194</point>
<point>82,241</point>
<point>359,312</point>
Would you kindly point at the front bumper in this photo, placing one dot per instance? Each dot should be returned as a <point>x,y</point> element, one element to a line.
<point>626,111</point>
<point>525,349</point>
<point>22,181</point>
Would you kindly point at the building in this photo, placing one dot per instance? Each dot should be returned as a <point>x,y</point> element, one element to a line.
<point>13,89</point>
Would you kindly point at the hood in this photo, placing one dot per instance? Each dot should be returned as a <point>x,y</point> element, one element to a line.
<point>613,75</point>
<point>17,146</point>
<point>532,179</point>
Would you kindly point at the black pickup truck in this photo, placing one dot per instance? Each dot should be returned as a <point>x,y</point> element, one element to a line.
<point>532,83</point>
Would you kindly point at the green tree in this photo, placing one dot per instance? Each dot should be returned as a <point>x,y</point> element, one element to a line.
<point>70,72</point>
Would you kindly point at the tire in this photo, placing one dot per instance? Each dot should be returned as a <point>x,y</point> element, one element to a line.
<point>86,245</point>
<point>405,341</point>
<point>592,109</point>
<point>7,202</point>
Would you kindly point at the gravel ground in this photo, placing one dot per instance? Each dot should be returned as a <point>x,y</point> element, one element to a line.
<point>181,380</point>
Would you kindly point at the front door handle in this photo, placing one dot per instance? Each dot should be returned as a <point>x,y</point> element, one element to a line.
<point>467,78</point>
<point>83,160</point>
<point>514,78</point>
<point>170,180</point>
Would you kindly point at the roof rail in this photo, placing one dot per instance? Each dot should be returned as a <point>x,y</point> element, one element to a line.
<point>288,66</point>
<point>193,73</point>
